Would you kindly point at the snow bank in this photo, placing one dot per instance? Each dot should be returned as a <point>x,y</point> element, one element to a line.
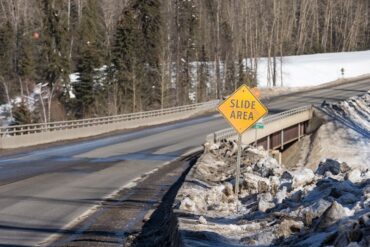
<point>347,129</point>
<point>327,205</point>
<point>316,69</point>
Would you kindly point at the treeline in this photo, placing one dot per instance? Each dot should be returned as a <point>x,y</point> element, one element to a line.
<point>135,55</point>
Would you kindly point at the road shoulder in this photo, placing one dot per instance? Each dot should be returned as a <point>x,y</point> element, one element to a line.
<point>134,214</point>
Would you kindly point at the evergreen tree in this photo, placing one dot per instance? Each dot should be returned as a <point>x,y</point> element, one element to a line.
<point>54,64</point>
<point>6,61</point>
<point>148,18</point>
<point>6,56</point>
<point>84,87</point>
<point>124,62</point>
<point>26,61</point>
<point>91,57</point>
<point>21,114</point>
<point>54,58</point>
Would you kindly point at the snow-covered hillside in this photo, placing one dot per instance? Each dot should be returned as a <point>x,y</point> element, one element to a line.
<point>316,69</point>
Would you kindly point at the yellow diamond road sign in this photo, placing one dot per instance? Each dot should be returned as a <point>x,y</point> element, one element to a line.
<point>242,109</point>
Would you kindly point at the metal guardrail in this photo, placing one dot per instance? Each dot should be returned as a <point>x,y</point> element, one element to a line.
<point>230,133</point>
<point>29,129</point>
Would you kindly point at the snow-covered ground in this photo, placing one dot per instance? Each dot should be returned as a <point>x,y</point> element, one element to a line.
<point>31,100</point>
<point>349,134</point>
<point>298,71</point>
<point>316,69</point>
<point>322,200</point>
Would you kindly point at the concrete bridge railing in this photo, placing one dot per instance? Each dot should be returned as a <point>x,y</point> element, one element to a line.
<point>279,129</point>
<point>34,134</point>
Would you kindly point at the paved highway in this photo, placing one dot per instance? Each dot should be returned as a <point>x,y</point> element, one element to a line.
<point>44,190</point>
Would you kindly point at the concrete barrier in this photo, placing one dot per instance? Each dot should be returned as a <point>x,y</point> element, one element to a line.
<point>28,135</point>
<point>273,124</point>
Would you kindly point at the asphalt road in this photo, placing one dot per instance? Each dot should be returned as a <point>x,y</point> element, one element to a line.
<point>44,190</point>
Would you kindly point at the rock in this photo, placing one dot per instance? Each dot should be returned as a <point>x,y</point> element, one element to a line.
<point>286,176</point>
<point>366,175</point>
<point>249,169</point>
<point>255,184</point>
<point>267,167</point>
<point>296,196</point>
<point>274,184</point>
<point>334,213</point>
<point>315,210</point>
<point>212,146</point>
<point>265,202</point>
<point>352,231</point>
<point>202,220</point>
<point>348,199</point>
<point>366,191</point>
<point>330,165</point>
<point>188,205</point>
<point>228,190</point>
<point>302,177</point>
<point>344,167</point>
<point>281,195</point>
<point>354,176</point>
<point>286,180</point>
<point>287,227</point>
<point>263,186</point>
<point>365,220</point>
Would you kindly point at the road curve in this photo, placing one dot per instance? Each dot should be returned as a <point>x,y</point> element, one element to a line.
<point>43,190</point>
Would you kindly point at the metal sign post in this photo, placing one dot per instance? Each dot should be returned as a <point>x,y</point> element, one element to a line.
<point>255,137</point>
<point>258,125</point>
<point>242,110</point>
<point>238,161</point>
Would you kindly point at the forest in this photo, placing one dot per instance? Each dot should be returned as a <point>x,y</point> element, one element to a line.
<point>137,55</point>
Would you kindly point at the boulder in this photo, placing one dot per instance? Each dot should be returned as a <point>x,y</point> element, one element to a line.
<point>330,165</point>
<point>265,202</point>
<point>202,220</point>
<point>296,196</point>
<point>274,184</point>
<point>348,199</point>
<point>344,167</point>
<point>302,177</point>
<point>287,227</point>
<point>315,210</point>
<point>354,176</point>
<point>286,180</point>
<point>267,167</point>
<point>255,184</point>
<point>333,214</point>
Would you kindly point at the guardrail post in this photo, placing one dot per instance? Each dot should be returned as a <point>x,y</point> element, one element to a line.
<point>299,131</point>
